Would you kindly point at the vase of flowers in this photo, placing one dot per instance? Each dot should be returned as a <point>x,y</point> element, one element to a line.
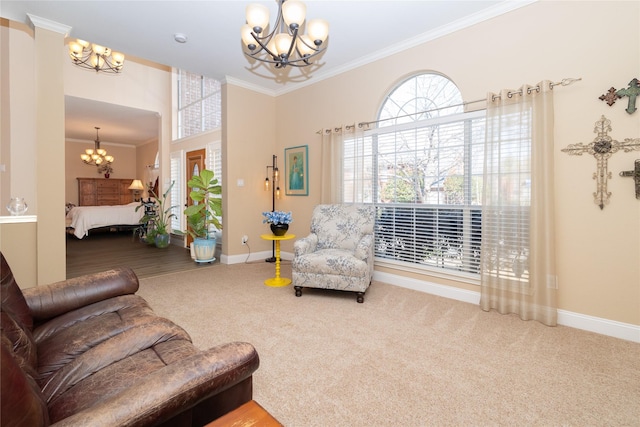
<point>278,220</point>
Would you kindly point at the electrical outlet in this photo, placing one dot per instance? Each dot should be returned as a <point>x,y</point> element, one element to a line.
<point>245,239</point>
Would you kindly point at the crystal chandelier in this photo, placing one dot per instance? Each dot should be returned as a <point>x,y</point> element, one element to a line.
<point>95,57</point>
<point>284,45</point>
<point>96,156</point>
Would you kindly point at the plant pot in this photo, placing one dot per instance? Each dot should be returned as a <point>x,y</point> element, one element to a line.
<point>106,175</point>
<point>204,249</point>
<point>162,240</point>
<point>279,229</point>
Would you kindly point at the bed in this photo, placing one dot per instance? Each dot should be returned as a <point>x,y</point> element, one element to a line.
<point>84,218</point>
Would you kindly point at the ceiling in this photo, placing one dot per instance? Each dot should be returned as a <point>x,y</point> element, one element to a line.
<point>359,32</point>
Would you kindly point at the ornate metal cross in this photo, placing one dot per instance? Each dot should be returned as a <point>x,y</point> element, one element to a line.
<point>632,92</point>
<point>602,147</point>
<point>635,174</point>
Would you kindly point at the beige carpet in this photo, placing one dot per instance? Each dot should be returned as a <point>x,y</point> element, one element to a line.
<point>403,358</point>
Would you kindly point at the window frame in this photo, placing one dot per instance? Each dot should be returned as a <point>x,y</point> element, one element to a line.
<point>200,99</point>
<point>467,208</point>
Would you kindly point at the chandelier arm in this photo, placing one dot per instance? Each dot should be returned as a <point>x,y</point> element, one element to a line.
<point>262,46</point>
<point>294,36</point>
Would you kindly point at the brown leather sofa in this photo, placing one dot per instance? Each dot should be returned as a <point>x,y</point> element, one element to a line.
<point>89,352</point>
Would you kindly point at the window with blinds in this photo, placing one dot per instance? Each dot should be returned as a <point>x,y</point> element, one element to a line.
<point>423,171</point>
<point>199,104</point>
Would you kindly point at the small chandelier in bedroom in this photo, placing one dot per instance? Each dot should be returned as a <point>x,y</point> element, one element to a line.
<point>95,57</point>
<point>96,156</point>
<point>284,45</point>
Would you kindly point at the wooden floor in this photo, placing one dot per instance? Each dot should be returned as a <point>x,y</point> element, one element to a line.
<point>108,249</point>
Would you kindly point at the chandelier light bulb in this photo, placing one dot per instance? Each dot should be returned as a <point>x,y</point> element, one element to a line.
<point>257,17</point>
<point>305,46</point>
<point>118,57</point>
<point>247,38</point>
<point>98,49</point>
<point>293,13</point>
<point>283,43</point>
<point>266,184</point>
<point>318,30</point>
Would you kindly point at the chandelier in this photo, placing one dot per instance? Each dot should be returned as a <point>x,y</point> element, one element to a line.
<point>96,156</point>
<point>95,57</point>
<point>284,45</point>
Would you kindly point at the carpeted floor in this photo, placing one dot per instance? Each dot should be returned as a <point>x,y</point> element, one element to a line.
<point>403,358</point>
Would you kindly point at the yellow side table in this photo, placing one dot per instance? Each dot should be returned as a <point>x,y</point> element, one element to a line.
<point>277,281</point>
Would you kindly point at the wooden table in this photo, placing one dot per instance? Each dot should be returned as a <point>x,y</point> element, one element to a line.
<point>248,415</point>
<point>277,281</point>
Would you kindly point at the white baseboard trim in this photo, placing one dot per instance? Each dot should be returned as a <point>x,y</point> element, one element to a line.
<point>612,328</point>
<point>599,325</point>
<point>256,256</point>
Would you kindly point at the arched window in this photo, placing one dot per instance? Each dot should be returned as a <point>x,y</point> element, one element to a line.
<point>426,157</point>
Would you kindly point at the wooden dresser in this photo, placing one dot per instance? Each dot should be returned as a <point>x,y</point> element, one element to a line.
<point>104,191</point>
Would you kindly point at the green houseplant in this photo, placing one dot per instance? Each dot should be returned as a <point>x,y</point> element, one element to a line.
<point>158,221</point>
<point>205,211</point>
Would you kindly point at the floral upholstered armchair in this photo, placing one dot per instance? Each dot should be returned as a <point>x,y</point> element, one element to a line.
<point>338,253</point>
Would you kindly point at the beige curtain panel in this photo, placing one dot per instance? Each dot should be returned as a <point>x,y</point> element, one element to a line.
<point>518,249</point>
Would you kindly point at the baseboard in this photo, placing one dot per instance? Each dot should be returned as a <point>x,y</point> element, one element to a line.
<point>252,257</point>
<point>598,325</point>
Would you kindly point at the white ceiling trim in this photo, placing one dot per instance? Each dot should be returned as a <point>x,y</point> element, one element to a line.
<point>466,22</point>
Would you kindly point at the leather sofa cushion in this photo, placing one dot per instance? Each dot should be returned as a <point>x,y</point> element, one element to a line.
<point>113,366</point>
<point>69,338</point>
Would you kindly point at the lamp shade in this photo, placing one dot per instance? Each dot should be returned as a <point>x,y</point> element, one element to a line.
<point>293,12</point>
<point>318,29</point>
<point>136,184</point>
<point>257,16</point>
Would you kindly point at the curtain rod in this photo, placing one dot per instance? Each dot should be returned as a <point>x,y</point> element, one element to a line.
<point>563,82</point>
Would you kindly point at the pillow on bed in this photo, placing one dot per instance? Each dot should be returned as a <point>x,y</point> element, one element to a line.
<point>68,207</point>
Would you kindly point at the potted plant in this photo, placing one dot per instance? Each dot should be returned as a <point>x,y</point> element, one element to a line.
<point>205,212</point>
<point>158,221</point>
<point>278,220</point>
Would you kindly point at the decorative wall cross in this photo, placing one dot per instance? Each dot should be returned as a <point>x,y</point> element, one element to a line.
<point>632,92</point>
<point>635,174</point>
<point>602,147</point>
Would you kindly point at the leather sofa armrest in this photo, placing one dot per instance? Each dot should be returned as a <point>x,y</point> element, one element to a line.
<point>48,301</point>
<point>305,245</point>
<point>173,389</point>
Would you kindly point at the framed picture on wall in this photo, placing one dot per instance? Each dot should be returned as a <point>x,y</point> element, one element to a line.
<point>296,165</point>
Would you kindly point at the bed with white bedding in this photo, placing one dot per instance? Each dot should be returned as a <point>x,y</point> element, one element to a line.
<point>84,218</point>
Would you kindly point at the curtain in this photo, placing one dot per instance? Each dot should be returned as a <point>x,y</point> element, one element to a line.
<point>332,162</point>
<point>518,252</point>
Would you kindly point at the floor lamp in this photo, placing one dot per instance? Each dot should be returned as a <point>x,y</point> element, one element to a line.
<point>275,194</point>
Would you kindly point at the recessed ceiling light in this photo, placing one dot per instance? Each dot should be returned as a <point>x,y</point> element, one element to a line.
<point>180,38</point>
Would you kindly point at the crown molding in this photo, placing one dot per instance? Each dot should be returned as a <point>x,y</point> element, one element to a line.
<point>495,11</point>
<point>48,24</point>
<point>241,83</point>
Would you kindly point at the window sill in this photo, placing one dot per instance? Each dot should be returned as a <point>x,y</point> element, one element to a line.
<point>467,278</point>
